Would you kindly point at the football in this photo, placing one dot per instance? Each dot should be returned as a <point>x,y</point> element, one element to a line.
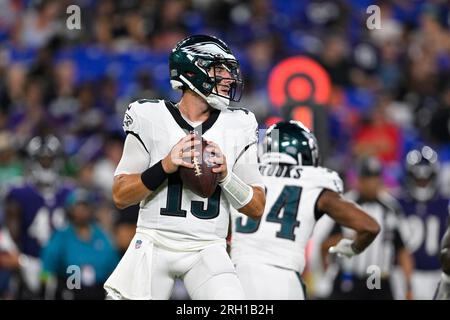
<point>200,179</point>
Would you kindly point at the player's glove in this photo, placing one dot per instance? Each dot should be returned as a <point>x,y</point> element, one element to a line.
<point>344,248</point>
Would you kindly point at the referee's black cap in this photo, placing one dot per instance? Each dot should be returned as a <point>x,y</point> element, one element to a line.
<point>369,167</point>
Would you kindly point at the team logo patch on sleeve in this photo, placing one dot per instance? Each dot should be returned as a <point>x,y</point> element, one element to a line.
<point>128,120</point>
<point>138,244</point>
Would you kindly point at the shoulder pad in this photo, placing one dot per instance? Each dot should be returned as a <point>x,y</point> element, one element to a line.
<point>137,103</point>
<point>243,120</point>
<point>239,109</point>
<point>320,177</point>
<point>141,101</point>
<point>131,122</point>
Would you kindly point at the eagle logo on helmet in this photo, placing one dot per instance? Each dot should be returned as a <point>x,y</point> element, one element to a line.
<point>292,143</point>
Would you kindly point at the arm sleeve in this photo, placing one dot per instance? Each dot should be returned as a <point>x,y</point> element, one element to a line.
<point>135,159</point>
<point>246,167</point>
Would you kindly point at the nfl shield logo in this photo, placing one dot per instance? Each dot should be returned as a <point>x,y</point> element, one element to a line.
<point>138,244</point>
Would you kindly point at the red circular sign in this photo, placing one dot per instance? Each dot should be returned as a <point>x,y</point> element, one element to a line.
<point>298,80</point>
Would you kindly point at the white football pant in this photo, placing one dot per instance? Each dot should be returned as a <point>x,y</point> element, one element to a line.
<point>268,282</point>
<point>147,271</point>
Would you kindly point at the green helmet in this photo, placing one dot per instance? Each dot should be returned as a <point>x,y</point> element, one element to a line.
<point>292,143</point>
<point>193,57</point>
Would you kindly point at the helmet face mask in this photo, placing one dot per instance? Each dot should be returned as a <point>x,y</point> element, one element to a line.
<point>421,173</point>
<point>44,160</point>
<point>290,143</point>
<point>206,65</point>
<point>226,73</point>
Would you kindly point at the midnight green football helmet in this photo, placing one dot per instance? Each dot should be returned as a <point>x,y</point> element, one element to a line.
<point>292,143</point>
<point>190,61</point>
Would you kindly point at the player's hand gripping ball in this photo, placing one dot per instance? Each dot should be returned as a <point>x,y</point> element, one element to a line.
<point>200,179</point>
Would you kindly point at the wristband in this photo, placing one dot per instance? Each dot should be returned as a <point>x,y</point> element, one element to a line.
<point>237,192</point>
<point>154,176</point>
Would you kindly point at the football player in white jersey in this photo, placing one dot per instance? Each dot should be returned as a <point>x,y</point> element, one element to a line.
<point>179,234</point>
<point>269,254</point>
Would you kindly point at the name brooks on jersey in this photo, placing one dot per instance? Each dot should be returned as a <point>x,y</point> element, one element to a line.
<point>288,171</point>
<point>284,171</point>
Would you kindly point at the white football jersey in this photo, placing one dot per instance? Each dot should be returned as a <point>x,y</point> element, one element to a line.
<point>280,237</point>
<point>173,209</point>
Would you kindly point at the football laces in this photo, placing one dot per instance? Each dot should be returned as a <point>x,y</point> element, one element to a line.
<point>197,168</point>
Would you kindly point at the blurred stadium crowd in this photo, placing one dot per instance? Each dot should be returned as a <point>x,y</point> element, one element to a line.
<point>390,93</point>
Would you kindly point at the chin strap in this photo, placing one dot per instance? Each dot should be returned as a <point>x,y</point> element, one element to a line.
<point>215,101</point>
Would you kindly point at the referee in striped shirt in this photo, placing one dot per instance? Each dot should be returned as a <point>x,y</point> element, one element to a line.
<point>356,276</point>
